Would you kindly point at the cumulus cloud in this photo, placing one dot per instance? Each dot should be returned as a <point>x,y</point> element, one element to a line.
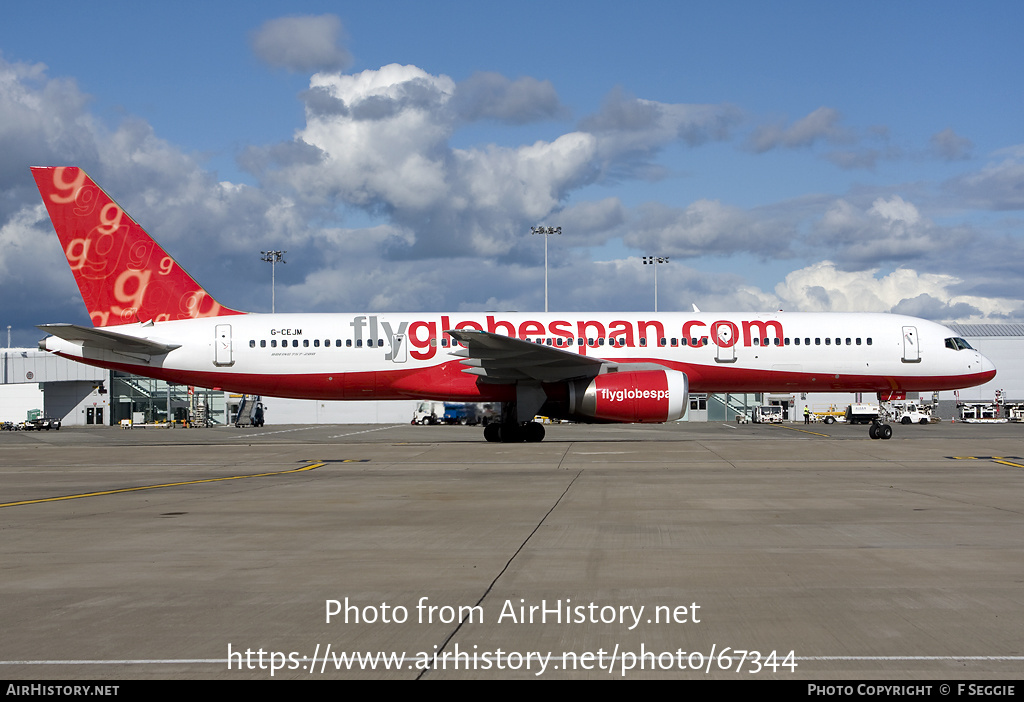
<point>709,227</point>
<point>928,307</point>
<point>380,141</point>
<point>950,146</point>
<point>303,44</point>
<point>488,95</point>
<point>997,186</point>
<point>42,120</point>
<point>591,223</point>
<point>388,152</point>
<point>629,130</point>
<point>820,125</point>
<point>823,287</point>
<point>890,230</point>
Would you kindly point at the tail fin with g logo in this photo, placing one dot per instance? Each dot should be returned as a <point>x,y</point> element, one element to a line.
<point>124,276</point>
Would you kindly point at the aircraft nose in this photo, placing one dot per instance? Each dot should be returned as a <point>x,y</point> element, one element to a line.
<point>988,369</point>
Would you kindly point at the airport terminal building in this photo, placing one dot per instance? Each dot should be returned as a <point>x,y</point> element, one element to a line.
<point>79,395</point>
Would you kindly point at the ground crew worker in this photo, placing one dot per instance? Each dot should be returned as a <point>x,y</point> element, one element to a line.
<point>807,414</point>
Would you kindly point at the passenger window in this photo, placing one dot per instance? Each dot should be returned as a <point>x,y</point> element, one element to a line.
<point>252,343</point>
<point>359,343</point>
<point>273,343</point>
<point>263,343</point>
<point>305,343</point>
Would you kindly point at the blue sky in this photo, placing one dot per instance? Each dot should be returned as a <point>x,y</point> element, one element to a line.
<point>803,155</point>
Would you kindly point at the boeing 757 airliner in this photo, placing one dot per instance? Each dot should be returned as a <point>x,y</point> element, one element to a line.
<point>151,318</point>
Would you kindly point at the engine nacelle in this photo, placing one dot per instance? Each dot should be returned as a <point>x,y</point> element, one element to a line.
<point>648,396</point>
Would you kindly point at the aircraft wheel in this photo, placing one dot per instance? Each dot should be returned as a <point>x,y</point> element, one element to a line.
<point>510,433</point>
<point>885,432</point>
<point>534,432</point>
<point>873,431</point>
<point>905,420</point>
<point>491,432</point>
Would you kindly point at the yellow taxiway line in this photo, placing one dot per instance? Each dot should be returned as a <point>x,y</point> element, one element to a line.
<point>161,485</point>
<point>783,426</point>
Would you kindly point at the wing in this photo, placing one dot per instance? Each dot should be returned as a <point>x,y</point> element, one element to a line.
<point>502,359</point>
<point>107,340</point>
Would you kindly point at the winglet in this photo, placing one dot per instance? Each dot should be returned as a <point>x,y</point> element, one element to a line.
<point>124,276</point>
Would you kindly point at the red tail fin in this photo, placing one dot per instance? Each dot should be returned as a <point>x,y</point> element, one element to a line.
<point>124,275</point>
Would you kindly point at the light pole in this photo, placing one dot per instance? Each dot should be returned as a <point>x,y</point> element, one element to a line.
<point>273,257</point>
<point>545,231</point>
<point>655,260</point>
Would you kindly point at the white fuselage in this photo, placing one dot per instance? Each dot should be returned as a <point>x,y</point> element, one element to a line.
<point>394,356</point>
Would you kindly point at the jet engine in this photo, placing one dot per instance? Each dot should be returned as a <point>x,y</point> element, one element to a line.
<point>646,396</point>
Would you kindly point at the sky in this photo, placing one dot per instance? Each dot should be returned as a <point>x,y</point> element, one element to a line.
<point>803,156</point>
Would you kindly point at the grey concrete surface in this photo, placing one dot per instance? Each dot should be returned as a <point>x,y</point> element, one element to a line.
<point>865,559</point>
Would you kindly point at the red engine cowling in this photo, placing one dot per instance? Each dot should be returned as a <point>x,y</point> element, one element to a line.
<point>648,396</point>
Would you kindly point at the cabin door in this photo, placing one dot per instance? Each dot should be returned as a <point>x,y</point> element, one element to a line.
<point>911,350</point>
<point>222,345</point>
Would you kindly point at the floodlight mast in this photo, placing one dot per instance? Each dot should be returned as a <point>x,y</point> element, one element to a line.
<point>273,258</point>
<point>546,231</point>
<point>655,260</point>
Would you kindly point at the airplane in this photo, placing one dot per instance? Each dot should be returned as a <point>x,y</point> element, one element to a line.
<point>153,319</point>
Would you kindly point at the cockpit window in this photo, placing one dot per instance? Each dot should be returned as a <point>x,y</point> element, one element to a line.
<point>957,344</point>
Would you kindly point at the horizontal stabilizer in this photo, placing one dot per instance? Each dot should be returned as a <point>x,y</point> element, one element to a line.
<point>108,340</point>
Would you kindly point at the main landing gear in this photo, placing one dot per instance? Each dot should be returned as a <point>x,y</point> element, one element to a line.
<point>509,430</point>
<point>514,433</point>
<point>877,430</point>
